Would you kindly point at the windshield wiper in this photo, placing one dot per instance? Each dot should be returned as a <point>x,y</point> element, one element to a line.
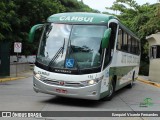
<point>61,50</point>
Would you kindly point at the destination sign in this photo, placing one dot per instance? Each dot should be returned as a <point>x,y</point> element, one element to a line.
<point>75,18</point>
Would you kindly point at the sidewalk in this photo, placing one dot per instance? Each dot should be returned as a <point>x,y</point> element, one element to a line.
<point>146,80</point>
<point>21,75</point>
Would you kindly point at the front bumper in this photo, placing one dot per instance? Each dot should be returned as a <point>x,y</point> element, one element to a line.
<point>91,92</point>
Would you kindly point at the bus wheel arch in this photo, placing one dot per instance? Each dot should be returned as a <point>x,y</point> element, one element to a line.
<point>133,76</point>
<point>114,79</point>
<point>130,85</point>
<point>111,89</point>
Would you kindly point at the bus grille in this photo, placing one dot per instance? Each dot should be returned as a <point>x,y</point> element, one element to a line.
<point>58,82</point>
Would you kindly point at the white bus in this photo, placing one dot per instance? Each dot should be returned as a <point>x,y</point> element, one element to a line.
<point>85,55</point>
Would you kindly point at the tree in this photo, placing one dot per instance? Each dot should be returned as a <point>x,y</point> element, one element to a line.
<point>76,6</point>
<point>6,20</point>
<point>30,13</point>
<point>18,16</point>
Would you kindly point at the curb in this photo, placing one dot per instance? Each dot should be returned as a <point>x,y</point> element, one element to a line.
<point>149,82</point>
<point>10,79</point>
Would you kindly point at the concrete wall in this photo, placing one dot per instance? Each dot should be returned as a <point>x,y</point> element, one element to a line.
<point>154,70</point>
<point>154,39</point>
<point>23,58</point>
<point>20,67</point>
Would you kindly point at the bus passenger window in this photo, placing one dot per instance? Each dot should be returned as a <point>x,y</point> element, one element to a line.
<point>133,45</point>
<point>120,40</point>
<point>138,48</point>
<point>129,44</point>
<point>125,41</point>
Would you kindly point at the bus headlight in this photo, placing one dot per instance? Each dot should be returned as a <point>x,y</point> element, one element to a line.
<point>37,76</point>
<point>91,82</point>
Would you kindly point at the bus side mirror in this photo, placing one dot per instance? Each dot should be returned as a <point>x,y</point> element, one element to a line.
<point>32,32</point>
<point>106,37</point>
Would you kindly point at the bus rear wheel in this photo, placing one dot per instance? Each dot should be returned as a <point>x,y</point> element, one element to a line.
<point>131,83</point>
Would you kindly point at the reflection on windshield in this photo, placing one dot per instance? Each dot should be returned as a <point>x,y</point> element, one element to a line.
<point>85,44</point>
<point>82,46</point>
<point>52,41</point>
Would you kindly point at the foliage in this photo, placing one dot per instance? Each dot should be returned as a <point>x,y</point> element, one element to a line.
<point>18,16</point>
<point>7,19</point>
<point>76,6</point>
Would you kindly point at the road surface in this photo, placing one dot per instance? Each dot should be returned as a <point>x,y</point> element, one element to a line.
<point>18,95</point>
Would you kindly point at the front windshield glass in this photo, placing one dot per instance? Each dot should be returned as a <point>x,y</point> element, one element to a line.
<point>71,46</point>
<point>55,37</point>
<point>86,45</point>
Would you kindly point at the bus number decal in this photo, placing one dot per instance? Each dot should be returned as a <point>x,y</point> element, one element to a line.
<point>90,76</point>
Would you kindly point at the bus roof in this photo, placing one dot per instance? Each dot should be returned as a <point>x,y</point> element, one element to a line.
<point>85,18</point>
<point>81,18</point>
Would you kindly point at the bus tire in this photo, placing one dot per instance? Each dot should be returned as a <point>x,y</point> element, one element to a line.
<point>111,91</point>
<point>131,83</point>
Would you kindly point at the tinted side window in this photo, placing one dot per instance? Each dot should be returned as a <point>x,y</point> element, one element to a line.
<point>129,44</point>
<point>133,45</point>
<point>125,41</point>
<point>120,39</point>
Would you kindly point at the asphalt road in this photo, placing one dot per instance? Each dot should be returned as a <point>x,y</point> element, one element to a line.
<point>18,95</point>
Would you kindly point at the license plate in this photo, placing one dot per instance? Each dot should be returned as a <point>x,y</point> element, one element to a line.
<point>61,91</point>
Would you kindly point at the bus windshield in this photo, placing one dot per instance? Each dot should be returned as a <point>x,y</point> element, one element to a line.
<point>71,46</point>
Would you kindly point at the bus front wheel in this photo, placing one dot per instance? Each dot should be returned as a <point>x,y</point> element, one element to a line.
<point>111,92</point>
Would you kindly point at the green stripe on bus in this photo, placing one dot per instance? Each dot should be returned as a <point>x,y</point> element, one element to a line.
<point>120,71</point>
